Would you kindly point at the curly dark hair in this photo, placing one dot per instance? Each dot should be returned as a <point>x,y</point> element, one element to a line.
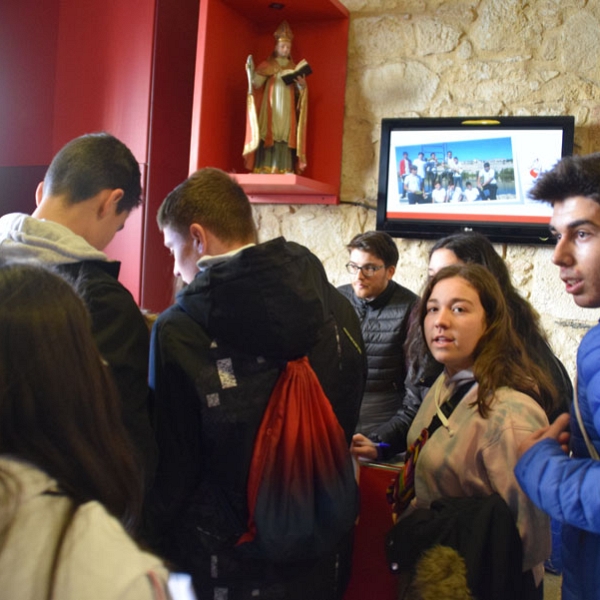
<point>571,176</point>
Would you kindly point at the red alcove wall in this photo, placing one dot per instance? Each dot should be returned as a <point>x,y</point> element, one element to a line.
<point>157,74</point>
<point>230,30</point>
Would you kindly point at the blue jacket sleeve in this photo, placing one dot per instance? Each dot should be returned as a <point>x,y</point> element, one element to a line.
<point>566,488</point>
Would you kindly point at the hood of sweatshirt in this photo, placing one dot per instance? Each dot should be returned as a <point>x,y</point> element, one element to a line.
<point>269,300</point>
<point>23,236</point>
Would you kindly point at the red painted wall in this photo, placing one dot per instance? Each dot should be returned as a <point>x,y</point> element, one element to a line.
<point>103,72</point>
<point>28,39</point>
<point>170,127</point>
<point>103,79</point>
<point>69,67</point>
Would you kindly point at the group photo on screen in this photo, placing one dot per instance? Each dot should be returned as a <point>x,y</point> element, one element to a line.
<point>461,171</point>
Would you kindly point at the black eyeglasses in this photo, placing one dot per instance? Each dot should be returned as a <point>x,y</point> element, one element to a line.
<point>366,270</point>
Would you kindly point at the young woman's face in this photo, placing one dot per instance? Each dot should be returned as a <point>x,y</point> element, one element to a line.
<point>454,323</point>
<point>442,258</point>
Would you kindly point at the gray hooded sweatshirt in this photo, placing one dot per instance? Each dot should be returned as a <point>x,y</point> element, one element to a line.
<point>50,243</point>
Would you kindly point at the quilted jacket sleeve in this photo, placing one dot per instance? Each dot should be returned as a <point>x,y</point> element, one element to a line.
<point>566,488</point>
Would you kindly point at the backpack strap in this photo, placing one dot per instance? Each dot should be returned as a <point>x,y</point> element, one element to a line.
<point>448,407</point>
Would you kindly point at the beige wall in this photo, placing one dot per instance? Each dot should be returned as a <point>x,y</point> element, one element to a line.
<point>436,58</point>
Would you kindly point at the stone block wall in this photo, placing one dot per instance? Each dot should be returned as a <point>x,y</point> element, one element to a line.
<point>441,58</point>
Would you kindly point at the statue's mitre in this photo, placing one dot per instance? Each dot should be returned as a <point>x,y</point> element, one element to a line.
<point>284,32</point>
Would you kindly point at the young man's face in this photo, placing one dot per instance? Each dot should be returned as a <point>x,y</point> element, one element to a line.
<point>365,287</point>
<point>575,224</point>
<point>185,254</point>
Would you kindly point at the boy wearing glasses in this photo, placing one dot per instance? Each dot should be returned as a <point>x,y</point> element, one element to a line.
<point>383,307</point>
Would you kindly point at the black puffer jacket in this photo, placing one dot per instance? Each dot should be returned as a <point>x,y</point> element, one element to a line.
<point>384,325</point>
<point>215,358</point>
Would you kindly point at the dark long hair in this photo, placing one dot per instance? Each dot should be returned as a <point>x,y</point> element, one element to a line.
<point>500,358</point>
<point>59,408</point>
<point>475,248</point>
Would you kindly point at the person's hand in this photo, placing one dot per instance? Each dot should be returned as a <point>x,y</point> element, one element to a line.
<point>363,447</point>
<point>557,431</point>
<point>301,81</point>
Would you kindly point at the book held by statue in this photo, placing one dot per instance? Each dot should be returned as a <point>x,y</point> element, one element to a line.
<point>301,69</point>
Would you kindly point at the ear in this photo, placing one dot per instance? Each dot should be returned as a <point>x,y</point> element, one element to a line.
<point>390,271</point>
<point>199,239</point>
<point>109,201</point>
<point>39,193</point>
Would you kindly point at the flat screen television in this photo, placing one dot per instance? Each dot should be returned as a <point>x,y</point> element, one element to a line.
<point>472,174</point>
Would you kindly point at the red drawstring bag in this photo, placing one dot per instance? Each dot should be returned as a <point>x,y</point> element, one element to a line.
<point>302,492</point>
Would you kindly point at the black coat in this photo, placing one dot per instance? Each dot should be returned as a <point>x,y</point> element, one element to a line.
<point>123,339</point>
<point>481,530</point>
<point>215,358</point>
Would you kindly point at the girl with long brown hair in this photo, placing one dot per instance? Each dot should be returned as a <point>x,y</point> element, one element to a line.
<point>68,481</point>
<point>467,328</point>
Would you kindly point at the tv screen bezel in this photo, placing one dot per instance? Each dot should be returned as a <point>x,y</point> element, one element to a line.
<point>502,230</point>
